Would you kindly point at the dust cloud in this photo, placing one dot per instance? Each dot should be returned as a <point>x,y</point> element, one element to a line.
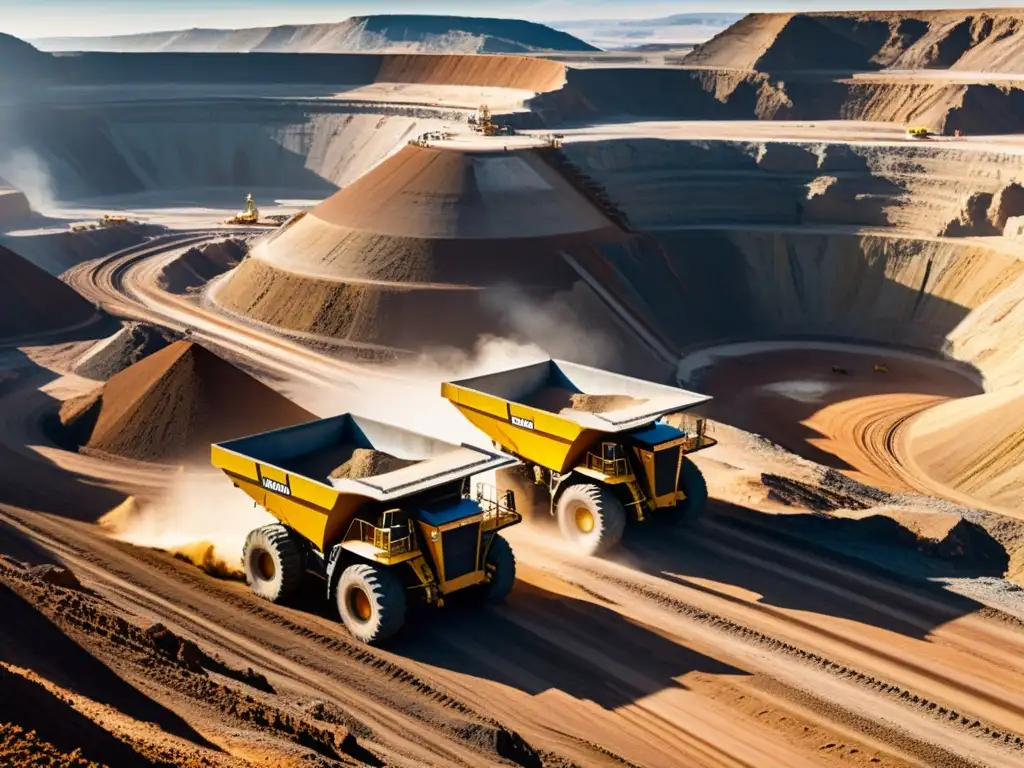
<point>202,519</point>
<point>556,321</point>
<point>26,171</point>
<point>411,395</point>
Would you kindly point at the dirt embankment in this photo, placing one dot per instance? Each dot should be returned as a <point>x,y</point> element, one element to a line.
<point>313,69</point>
<point>197,266</point>
<point>918,189</point>
<point>73,674</point>
<point>976,447</point>
<point>394,260</point>
<point>302,149</point>
<point>980,41</point>
<point>128,346</point>
<point>173,404</point>
<point>941,296</point>
<point>33,301</point>
<point>608,93</point>
<point>58,252</point>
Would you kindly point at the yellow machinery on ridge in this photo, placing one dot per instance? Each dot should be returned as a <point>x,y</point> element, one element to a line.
<point>251,214</point>
<point>378,542</point>
<point>596,468</point>
<point>483,122</point>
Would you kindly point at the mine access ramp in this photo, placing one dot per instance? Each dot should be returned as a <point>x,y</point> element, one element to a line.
<point>382,515</point>
<point>602,447</point>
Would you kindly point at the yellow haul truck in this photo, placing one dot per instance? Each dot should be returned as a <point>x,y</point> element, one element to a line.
<point>601,443</point>
<point>397,524</point>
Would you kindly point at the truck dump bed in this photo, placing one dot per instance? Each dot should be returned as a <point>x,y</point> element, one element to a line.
<point>550,411</point>
<point>288,470</point>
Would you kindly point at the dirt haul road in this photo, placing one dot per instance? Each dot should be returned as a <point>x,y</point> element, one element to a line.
<point>672,655</point>
<point>707,646</point>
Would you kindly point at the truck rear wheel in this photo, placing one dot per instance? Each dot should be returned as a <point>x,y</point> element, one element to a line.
<point>501,566</point>
<point>371,602</point>
<point>591,518</point>
<point>272,561</point>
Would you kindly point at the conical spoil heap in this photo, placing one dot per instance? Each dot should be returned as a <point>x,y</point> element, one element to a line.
<point>33,301</point>
<point>423,252</point>
<point>173,404</point>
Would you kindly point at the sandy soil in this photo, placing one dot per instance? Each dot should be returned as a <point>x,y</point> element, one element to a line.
<point>833,406</point>
<point>172,405</point>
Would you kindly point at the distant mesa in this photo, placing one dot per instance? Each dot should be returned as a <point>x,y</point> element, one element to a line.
<point>359,34</point>
<point>171,405</point>
<point>420,251</point>
<point>977,41</point>
<point>21,64</point>
<point>34,302</point>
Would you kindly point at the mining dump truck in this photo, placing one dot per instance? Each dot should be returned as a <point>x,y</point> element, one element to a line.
<point>377,516</point>
<point>602,448</point>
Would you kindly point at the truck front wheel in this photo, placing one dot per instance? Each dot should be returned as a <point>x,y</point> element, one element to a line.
<point>371,602</point>
<point>591,518</point>
<point>272,561</point>
<point>696,487</point>
<point>501,567</point>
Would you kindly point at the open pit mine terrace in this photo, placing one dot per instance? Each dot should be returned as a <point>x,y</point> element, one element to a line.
<point>752,221</point>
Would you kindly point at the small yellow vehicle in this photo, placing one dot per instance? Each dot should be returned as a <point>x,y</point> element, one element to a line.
<point>605,447</point>
<point>382,516</point>
<point>918,132</point>
<point>250,216</point>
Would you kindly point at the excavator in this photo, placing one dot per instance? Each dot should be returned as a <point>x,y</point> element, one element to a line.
<point>482,122</point>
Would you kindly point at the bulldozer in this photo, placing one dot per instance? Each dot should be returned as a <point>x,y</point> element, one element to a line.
<point>594,470</point>
<point>108,220</point>
<point>918,132</point>
<point>409,529</point>
<point>482,122</point>
<point>251,214</point>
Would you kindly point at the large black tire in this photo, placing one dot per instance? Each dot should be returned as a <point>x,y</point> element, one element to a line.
<point>272,561</point>
<point>696,501</point>
<point>696,488</point>
<point>591,518</point>
<point>501,567</point>
<point>371,602</point>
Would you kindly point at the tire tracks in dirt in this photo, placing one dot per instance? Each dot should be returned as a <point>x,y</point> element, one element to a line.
<point>963,701</point>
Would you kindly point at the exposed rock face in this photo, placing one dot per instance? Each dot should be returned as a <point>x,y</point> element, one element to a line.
<point>1007,203</point>
<point>973,218</point>
<point>981,41</point>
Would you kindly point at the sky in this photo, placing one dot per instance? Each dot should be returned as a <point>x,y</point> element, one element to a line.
<point>58,18</point>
